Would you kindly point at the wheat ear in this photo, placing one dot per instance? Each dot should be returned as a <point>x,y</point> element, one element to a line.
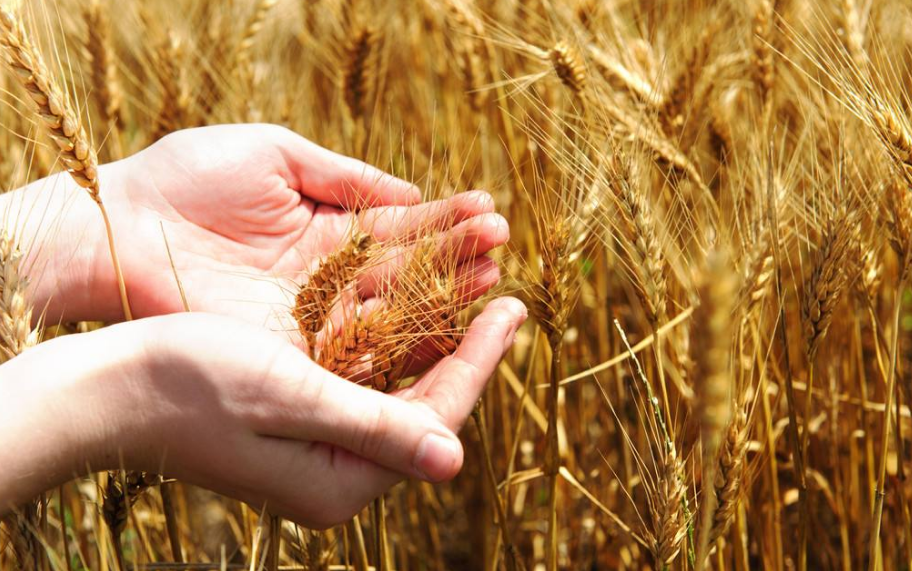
<point>336,272</point>
<point>17,335</point>
<point>76,152</point>
<point>105,83</point>
<point>895,136</point>
<point>825,284</point>
<point>468,49</point>
<point>362,342</point>
<point>713,338</point>
<point>175,98</point>
<point>764,71</point>
<point>120,493</point>
<point>854,36</point>
<point>668,503</point>
<point>569,67</point>
<point>16,332</point>
<point>359,73</point>
<point>63,125</point>
<point>640,244</point>
<point>729,476</point>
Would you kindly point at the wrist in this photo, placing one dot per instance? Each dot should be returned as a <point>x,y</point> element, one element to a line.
<point>67,408</point>
<point>60,231</point>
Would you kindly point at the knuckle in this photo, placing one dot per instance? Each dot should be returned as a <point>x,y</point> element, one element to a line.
<point>373,433</point>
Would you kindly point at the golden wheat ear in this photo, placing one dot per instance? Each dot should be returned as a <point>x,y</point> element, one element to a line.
<point>729,480</point>
<point>53,104</point>
<point>16,332</point>
<point>669,520</point>
<point>62,123</point>
<point>105,81</point>
<point>335,273</point>
<point>712,334</point>
<point>16,336</point>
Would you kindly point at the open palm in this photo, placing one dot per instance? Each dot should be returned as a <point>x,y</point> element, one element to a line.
<point>247,208</point>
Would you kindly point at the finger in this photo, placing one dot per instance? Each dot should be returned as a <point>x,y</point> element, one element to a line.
<point>339,483</point>
<point>456,383</point>
<point>466,240</point>
<point>400,222</point>
<point>473,279</point>
<point>335,179</point>
<point>310,404</point>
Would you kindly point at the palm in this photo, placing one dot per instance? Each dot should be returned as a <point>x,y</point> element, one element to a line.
<point>243,219</point>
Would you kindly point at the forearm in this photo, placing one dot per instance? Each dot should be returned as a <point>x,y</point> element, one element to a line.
<point>64,412</point>
<point>60,231</point>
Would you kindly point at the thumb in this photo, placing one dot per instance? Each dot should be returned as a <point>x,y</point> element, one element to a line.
<point>405,437</point>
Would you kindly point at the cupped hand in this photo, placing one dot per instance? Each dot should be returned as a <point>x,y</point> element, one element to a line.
<point>240,410</point>
<point>247,210</point>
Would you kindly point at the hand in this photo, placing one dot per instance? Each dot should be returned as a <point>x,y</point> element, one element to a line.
<point>236,409</point>
<point>246,209</point>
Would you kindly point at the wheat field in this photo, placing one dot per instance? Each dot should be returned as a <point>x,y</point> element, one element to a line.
<point>710,206</point>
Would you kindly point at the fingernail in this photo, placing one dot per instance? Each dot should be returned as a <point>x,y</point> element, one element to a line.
<point>437,458</point>
<point>511,305</point>
<point>484,200</point>
<point>414,194</point>
<point>519,313</point>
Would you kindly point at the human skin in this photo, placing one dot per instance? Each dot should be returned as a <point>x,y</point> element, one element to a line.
<point>220,400</point>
